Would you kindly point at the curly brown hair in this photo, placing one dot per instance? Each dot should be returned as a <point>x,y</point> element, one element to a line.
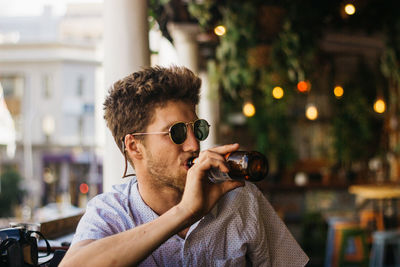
<point>131,102</point>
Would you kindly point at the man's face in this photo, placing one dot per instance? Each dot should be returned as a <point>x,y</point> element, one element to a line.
<point>166,162</point>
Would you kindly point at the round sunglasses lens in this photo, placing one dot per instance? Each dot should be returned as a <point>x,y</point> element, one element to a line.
<point>178,133</point>
<point>201,129</point>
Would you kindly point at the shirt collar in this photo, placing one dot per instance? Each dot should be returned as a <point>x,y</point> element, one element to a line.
<point>147,214</point>
<point>214,211</point>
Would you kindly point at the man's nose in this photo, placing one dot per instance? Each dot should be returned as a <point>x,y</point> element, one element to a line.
<point>191,143</point>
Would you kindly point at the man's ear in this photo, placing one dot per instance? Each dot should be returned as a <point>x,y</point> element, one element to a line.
<point>133,147</point>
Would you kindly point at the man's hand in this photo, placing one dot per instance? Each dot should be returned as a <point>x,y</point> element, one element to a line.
<point>200,194</point>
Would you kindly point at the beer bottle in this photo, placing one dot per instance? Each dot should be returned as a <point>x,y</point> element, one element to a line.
<point>243,165</point>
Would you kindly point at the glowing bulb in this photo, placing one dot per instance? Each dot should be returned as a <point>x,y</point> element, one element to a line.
<point>350,9</point>
<point>303,86</point>
<point>249,110</point>
<point>379,106</point>
<point>220,30</point>
<point>311,112</point>
<point>277,92</point>
<point>338,91</point>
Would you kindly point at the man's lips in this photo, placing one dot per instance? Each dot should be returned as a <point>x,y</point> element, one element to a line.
<point>189,162</point>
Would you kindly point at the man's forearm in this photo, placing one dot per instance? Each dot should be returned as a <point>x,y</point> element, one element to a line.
<point>130,247</point>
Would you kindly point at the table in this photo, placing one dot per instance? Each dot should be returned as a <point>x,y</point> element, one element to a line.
<point>378,191</point>
<point>385,200</point>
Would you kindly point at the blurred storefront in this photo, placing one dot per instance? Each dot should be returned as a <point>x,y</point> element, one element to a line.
<point>50,70</point>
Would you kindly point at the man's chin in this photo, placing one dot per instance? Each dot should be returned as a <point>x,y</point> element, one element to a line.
<point>178,184</point>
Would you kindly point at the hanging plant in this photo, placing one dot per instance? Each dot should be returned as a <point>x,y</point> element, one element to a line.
<point>259,51</point>
<point>274,43</point>
<point>355,124</point>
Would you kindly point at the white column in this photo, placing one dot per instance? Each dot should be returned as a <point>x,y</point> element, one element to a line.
<point>126,50</point>
<point>185,42</point>
<point>208,110</point>
<point>184,36</point>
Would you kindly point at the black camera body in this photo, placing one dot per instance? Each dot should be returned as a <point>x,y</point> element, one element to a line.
<point>18,247</point>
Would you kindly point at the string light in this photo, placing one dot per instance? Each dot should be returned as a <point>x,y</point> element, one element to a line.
<point>249,110</point>
<point>311,112</point>
<point>379,106</point>
<point>338,91</point>
<point>350,9</point>
<point>220,30</point>
<point>277,92</point>
<point>303,86</point>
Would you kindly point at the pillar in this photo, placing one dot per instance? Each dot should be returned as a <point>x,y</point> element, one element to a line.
<point>184,36</point>
<point>185,42</point>
<point>126,50</point>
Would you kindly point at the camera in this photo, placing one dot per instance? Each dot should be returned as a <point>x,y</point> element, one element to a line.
<point>18,247</point>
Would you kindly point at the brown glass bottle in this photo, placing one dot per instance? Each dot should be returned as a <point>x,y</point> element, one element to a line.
<point>243,165</point>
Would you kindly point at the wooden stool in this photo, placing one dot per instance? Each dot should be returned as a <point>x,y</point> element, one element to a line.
<point>334,238</point>
<point>346,244</point>
<point>353,247</point>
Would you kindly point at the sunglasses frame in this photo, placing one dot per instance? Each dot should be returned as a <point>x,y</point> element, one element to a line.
<point>170,136</point>
<point>169,130</point>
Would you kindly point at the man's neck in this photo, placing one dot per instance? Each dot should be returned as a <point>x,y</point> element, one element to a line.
<point>159,199</point>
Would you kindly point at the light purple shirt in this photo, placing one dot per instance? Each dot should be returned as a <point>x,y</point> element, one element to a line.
<point>242,228</point>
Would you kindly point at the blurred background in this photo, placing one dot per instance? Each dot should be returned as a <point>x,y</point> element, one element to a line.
<point>314,85</point>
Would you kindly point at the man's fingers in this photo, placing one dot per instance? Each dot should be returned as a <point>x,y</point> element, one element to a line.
<point>214,157</point>
<point>211,161</point>
<point>225,148</point>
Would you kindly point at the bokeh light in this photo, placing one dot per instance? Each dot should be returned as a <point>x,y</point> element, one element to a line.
<point>277,92</point>
<point>338,91</point>
<point>350,9</point>
<point>303,86</point>
<point>84,188</point>
<point>311,112</point>
<point>249,110</point>
<point>379,106</point>
<point>220,30</point>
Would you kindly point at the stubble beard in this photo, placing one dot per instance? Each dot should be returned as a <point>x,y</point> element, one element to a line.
<point>163,175</point>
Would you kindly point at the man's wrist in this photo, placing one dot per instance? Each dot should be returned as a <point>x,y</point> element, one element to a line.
<point>184,216</point>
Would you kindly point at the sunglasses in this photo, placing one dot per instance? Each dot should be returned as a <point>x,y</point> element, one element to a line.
<point>178,131</point>
<point>178,134</point>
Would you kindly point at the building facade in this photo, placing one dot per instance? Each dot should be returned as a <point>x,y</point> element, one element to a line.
<point>51,79</point>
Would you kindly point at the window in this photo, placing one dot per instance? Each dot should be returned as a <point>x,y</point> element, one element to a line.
<point>13,88</point>
<point>80,86</point>
<point>47,86</point>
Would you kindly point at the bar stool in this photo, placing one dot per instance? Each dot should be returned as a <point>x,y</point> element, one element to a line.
<point>353,248</point>
<point>385,249</point>
<point>346,244</point>
<point>330,240</point>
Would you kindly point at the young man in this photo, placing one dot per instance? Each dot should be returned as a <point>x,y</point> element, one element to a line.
<point>172,215</point>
